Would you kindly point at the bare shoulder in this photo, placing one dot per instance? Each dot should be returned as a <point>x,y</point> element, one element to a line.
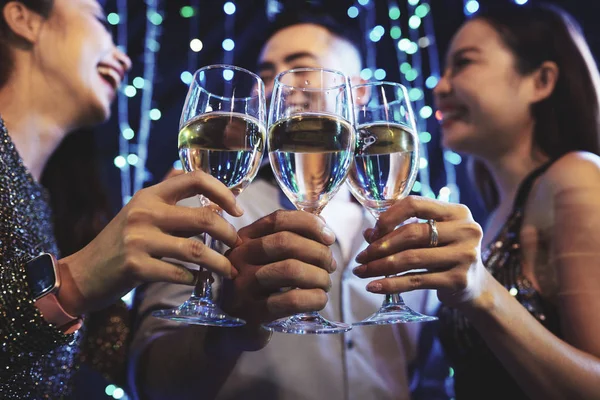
<point>574,169</point>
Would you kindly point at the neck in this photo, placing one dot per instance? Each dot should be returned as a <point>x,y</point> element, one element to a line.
<point>31,121</point>
<point>509,170</point>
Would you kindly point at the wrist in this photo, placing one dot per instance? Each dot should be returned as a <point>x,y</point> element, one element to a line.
<point>69,296</point>
<point>486,301</point>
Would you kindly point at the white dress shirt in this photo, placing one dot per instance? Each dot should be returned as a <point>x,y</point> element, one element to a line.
<point>366,363</point>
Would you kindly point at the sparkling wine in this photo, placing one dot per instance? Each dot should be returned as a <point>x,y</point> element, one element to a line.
<point>228,146</point>
<point>310,154</point>
<point>385,165</point>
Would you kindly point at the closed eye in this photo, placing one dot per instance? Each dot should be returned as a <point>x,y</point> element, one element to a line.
<point>462,62</point>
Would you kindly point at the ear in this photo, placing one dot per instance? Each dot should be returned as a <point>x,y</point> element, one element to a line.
<point>544,81</point>
<point>22,22</point>
<point>360,95</point>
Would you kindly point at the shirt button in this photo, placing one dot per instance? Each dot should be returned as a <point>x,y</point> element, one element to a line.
<point>350,344</point>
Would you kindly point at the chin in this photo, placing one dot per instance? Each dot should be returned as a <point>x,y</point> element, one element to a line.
<point>458,140</point>
<point>94,116</point>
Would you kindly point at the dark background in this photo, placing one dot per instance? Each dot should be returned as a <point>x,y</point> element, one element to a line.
<point>249,26</point>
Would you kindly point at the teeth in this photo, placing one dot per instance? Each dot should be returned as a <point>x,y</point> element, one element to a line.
<point>446,115</point>
<point>110,73</point>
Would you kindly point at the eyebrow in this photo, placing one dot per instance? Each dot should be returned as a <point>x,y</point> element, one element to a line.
<point>267,65</point>
<point>464,50</point>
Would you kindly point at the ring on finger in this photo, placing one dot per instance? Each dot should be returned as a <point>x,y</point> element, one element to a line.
<point>433,233</point>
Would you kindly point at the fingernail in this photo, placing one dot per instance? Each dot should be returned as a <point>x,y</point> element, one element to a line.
<point>239,210</point>
<point>374,287</point>
<point>361,256</point>
<point>374,234</point>
<point>233,274</point>
<point>359,270</point>
<point>328,234</point>
<point>333,265</point>
<point>238,241</point>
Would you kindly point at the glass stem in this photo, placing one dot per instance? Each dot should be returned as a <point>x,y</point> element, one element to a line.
<point>391,299</point>
<point>394,298</point>
<point>203,289</point>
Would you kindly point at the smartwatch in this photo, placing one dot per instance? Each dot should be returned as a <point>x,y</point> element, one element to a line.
<point>43,277</point>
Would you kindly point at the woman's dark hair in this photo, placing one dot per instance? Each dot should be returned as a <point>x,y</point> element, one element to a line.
<point>568,119</point>
<point>78,199</point>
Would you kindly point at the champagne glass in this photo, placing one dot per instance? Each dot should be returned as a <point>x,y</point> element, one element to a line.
<point>311,145</point>
<point>222,132</point>
<point>385,168</point>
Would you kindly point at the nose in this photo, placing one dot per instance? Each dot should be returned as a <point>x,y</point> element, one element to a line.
<point>122,58</point>
<point>443,87</point>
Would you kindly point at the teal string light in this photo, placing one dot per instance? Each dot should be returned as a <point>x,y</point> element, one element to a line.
<point>152,33</point>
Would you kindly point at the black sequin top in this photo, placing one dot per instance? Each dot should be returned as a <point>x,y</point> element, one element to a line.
<point>37,361</point>
<point>478,374</point>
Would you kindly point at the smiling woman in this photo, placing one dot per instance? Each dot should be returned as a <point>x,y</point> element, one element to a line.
<point>59,72</point>
<point>520,94</point>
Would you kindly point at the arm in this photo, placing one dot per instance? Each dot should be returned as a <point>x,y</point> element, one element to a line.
<point>26,334</point>
<point>124,254</point>
<point>545,366</point>
<point>282,250</point>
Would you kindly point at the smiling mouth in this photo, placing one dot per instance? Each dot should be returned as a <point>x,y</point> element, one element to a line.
<point>111,76</point>
<point>453,115</point>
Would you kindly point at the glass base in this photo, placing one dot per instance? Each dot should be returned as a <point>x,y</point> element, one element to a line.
<point>307,324</point>
<point>395,314</point>
<point>198,311</point>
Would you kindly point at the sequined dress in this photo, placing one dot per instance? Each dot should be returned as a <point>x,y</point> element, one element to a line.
<point>37,361</point>
<point>478,374</point>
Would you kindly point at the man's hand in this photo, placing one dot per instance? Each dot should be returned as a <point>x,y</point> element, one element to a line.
<point>284,262</point>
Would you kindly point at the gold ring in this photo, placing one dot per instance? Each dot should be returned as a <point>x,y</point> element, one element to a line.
<point>433,234</point>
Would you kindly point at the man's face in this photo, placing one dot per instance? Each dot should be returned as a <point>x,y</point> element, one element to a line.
<point>305,45</point>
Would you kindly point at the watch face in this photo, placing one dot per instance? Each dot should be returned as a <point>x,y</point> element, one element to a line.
<point>40,275</point>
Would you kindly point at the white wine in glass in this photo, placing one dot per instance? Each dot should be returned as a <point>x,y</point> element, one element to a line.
<point>385,167</point>
<point>222,132</point>
<point>311,146</point>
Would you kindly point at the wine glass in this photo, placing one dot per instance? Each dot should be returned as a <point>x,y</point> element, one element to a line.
<point>222,132</point>
<point>311,145</point>
<point>385,168</point>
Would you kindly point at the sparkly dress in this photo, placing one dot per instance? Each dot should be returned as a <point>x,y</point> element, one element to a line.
<point>478,374</point>
<point>37,361</point>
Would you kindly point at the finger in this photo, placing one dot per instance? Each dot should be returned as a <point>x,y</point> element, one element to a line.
<point>189,250</point>
<point>193,183</point>
<point>419,207</point>
<point>295,301</point>
<point>185,221</point>
<point>292,273</point>
<point>417,235</point>
<point>300,222</point>
<point>282,246</point>
<point>173,172</point>
<point>430,259</point>
<point>413,281</point>
<point>155,270</point>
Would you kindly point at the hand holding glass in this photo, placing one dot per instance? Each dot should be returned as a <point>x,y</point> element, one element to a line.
<point>311,145</point>
<point>385,168</point>
<point>222,132</point>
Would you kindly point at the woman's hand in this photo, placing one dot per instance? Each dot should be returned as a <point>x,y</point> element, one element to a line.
<point>130,249</point>
<point>453,267</point>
